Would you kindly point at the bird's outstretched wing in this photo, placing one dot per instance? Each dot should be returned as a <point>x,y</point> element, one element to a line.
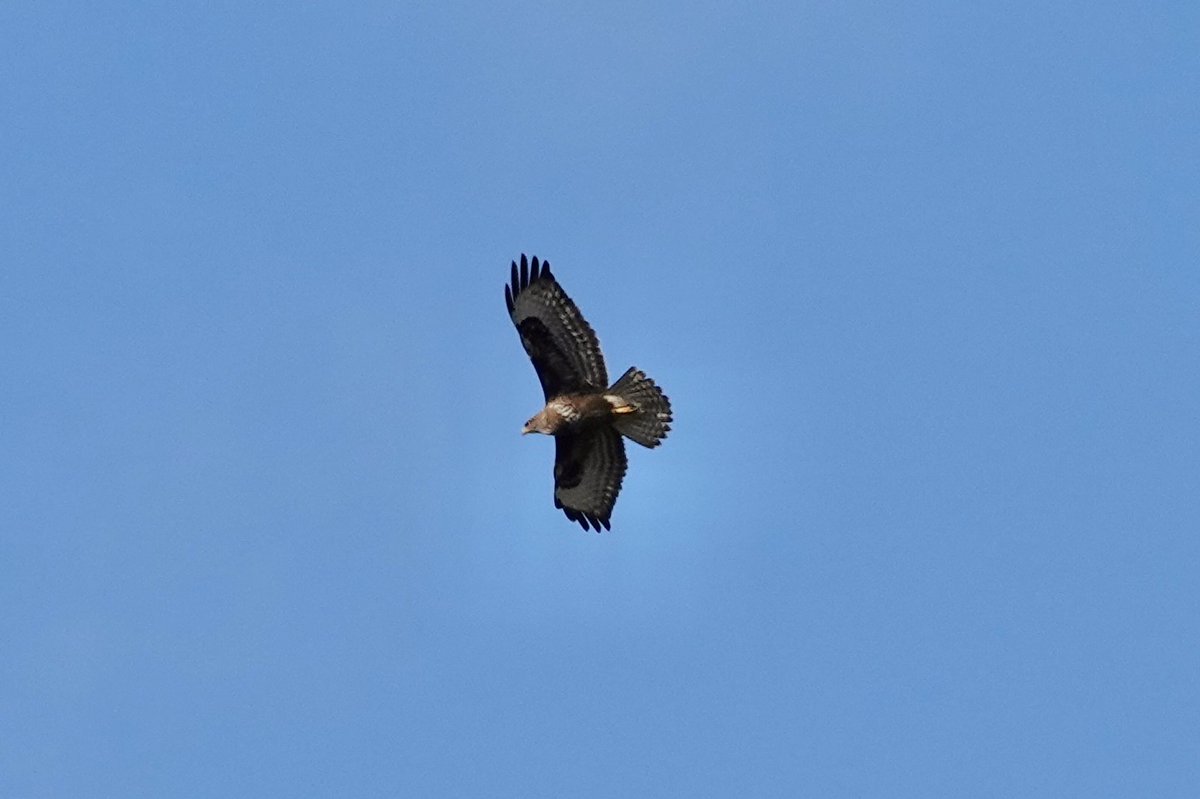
<point>560,342</point>
<point>588,469</point>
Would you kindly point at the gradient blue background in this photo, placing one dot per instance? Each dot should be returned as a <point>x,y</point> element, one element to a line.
<point>922,281</point>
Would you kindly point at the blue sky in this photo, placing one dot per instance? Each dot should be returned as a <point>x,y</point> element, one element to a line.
<point>921,280</point>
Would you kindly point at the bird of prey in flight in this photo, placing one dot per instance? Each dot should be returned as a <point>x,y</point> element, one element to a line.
<point>586,416</point>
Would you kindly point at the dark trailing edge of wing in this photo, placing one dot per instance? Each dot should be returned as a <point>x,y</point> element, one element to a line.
<point>529,273</point>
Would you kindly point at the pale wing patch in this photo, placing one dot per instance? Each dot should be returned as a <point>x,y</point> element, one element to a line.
<point>566,410</point>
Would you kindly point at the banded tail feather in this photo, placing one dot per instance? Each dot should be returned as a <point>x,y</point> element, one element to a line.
<point>648,419</point>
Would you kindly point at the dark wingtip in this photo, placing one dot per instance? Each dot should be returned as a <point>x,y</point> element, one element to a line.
<point>532,269</point>
<point>588,521</point>
<point>572,514</point>
<point>508,299</point>
<point>598,522</point>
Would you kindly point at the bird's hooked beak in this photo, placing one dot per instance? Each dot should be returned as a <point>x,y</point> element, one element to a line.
<point>525,429</point>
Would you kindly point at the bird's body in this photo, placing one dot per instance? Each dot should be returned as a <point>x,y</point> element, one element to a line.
<point>578,411</point>
<point>586,416</point>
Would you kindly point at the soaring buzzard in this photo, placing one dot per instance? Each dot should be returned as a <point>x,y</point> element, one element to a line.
<point>586,419</point>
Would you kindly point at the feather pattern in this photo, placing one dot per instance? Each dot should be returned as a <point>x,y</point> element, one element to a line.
<point>650,420</point>
<point>562,345</point>
<point>589,467</point>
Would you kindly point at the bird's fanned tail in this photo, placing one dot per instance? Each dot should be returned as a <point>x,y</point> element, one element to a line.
<point>649,418</point>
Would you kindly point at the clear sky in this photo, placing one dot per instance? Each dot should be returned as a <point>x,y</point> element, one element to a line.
<point>921,279</point>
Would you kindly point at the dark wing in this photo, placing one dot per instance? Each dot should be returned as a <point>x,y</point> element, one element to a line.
<point>560,342</point>
<point>588,469</point>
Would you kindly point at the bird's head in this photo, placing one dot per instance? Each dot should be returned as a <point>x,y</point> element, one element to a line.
<point>537,424</point>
